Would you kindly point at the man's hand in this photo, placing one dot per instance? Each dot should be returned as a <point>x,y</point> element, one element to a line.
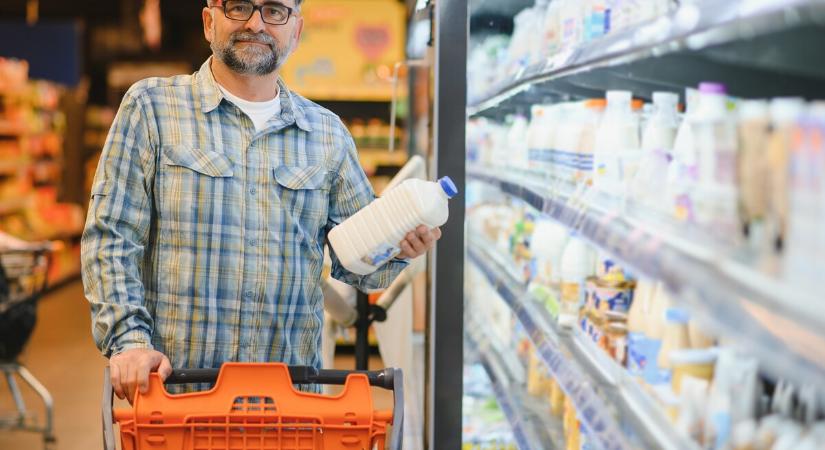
<point>418,242</point>
<point>130,370</point>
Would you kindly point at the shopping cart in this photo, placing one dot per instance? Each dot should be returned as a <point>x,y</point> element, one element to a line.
<point>254,406</point>
<point>23,272</point>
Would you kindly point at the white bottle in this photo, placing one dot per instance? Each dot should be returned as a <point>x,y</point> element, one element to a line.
<point>648,186</point>
<point>517,144</point>
<point>570,127</point>
<point>371,237</point>
<point>682,172</point>
<point>717,142</point>
<point>577,263</point>
<point>804,246</point>
<point>538,154</point>
<point>552,28</point>
<point>617,144</point>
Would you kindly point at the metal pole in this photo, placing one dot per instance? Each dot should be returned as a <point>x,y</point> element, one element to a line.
<point>446,307</point>
<point>362,328</point>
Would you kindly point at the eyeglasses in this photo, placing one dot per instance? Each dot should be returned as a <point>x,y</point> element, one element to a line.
<point>271,13</point>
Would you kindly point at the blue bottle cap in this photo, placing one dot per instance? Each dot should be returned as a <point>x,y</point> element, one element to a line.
<point>448,186</point>
<point>677,315</point>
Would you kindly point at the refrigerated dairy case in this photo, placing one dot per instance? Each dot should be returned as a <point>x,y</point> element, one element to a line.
<point>645,206</point>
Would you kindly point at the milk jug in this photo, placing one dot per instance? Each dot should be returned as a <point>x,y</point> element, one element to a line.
<point>371,237</point>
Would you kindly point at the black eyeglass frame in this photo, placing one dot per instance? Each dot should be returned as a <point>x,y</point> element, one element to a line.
<point>255,8</point>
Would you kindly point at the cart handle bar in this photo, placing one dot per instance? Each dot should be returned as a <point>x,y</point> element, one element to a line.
<point>298,374</point>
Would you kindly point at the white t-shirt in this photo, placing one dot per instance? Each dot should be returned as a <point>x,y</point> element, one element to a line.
<point>259,112</point>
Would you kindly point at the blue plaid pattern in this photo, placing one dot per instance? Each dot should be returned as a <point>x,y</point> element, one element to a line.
<point>204,238</point>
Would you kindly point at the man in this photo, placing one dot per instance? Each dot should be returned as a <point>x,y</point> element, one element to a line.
<point>210,208</point>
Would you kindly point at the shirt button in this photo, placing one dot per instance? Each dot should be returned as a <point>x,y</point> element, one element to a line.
<point>247,294</point>
<point>253,191</point>
<point>253,242</point>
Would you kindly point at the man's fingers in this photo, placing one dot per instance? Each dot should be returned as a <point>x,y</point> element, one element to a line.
<point>114,378</point>
<point>427,238</point>
<point>124,379</point>
<point>165,368</point>
<point>131,382</point>
<point>144,368</point>
<point>406,249</point>
<point>416,243</point>
<point>436,232</point>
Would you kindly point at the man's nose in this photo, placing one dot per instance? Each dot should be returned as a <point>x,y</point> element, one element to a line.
<point>256,22</point>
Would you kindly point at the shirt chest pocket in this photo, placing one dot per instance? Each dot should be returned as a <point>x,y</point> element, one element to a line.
<point>304,195</point>
<point>196,185</point>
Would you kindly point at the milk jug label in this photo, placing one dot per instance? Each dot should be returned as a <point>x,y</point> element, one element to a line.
<point>381,254</point>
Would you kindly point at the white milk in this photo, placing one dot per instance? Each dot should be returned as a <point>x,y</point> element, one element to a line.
<point>577,263</point>
<point>617,144</point>
<point>717,142</point>
<point>539,147</point>
<point>371,237</point>
<point>648,186</point>
<point>682,172</point>
<point>517,140</point>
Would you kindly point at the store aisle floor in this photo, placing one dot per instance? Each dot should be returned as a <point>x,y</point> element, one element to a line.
<point>62,355</point>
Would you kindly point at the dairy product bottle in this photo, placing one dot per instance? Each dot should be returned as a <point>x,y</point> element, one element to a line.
<point>547,245</point>
<point>648,186</point>
<point>536,153</point>
<point>637,323</point>
<point>591,117</point>
<point>370,237</point>
<point>517,143</point>
<point>683,171</point>
<point>556,119</point>
<point>804,246</point>
<point>552,28</point>
<point>754,129</point>
<point>577,263</point>
<point>785,114</point>
<point>655,332</point>
<point>597,22</point>
<point>676,338</point>
<point>569,132</point>
<point>572,21</point>
<point>536,46</point>
<point>716,140</point>
<point>617,143</point>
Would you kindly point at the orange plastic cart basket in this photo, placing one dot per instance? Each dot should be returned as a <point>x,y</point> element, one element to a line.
<point>254,406</point>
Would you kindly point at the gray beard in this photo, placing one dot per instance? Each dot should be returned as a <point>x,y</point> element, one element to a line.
<point>251,60</point>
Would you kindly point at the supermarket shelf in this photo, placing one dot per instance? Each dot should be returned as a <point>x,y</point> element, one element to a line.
<point>759,49</point>
<point>582,370</point>
<point>532,427</point>
<point>778,323</point>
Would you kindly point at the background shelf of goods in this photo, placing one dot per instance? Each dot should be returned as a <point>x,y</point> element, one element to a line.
<point>646,199</point>
<point>31,156</point>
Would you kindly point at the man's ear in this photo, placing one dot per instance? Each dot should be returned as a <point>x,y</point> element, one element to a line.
<point>299,28</point>
<point>208,23</point>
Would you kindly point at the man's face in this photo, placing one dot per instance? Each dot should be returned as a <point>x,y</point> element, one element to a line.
<point>251,47</point>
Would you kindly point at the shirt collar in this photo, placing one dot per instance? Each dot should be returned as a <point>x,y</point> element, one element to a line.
<point>211,96</point>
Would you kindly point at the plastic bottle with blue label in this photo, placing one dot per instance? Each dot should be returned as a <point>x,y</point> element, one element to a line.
<point>371,237</point>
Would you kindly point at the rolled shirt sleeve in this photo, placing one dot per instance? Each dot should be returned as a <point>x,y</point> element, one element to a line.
<point>117,230</point>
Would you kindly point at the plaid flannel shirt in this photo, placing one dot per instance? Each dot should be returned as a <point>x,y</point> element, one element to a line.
<point>204,238</point>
